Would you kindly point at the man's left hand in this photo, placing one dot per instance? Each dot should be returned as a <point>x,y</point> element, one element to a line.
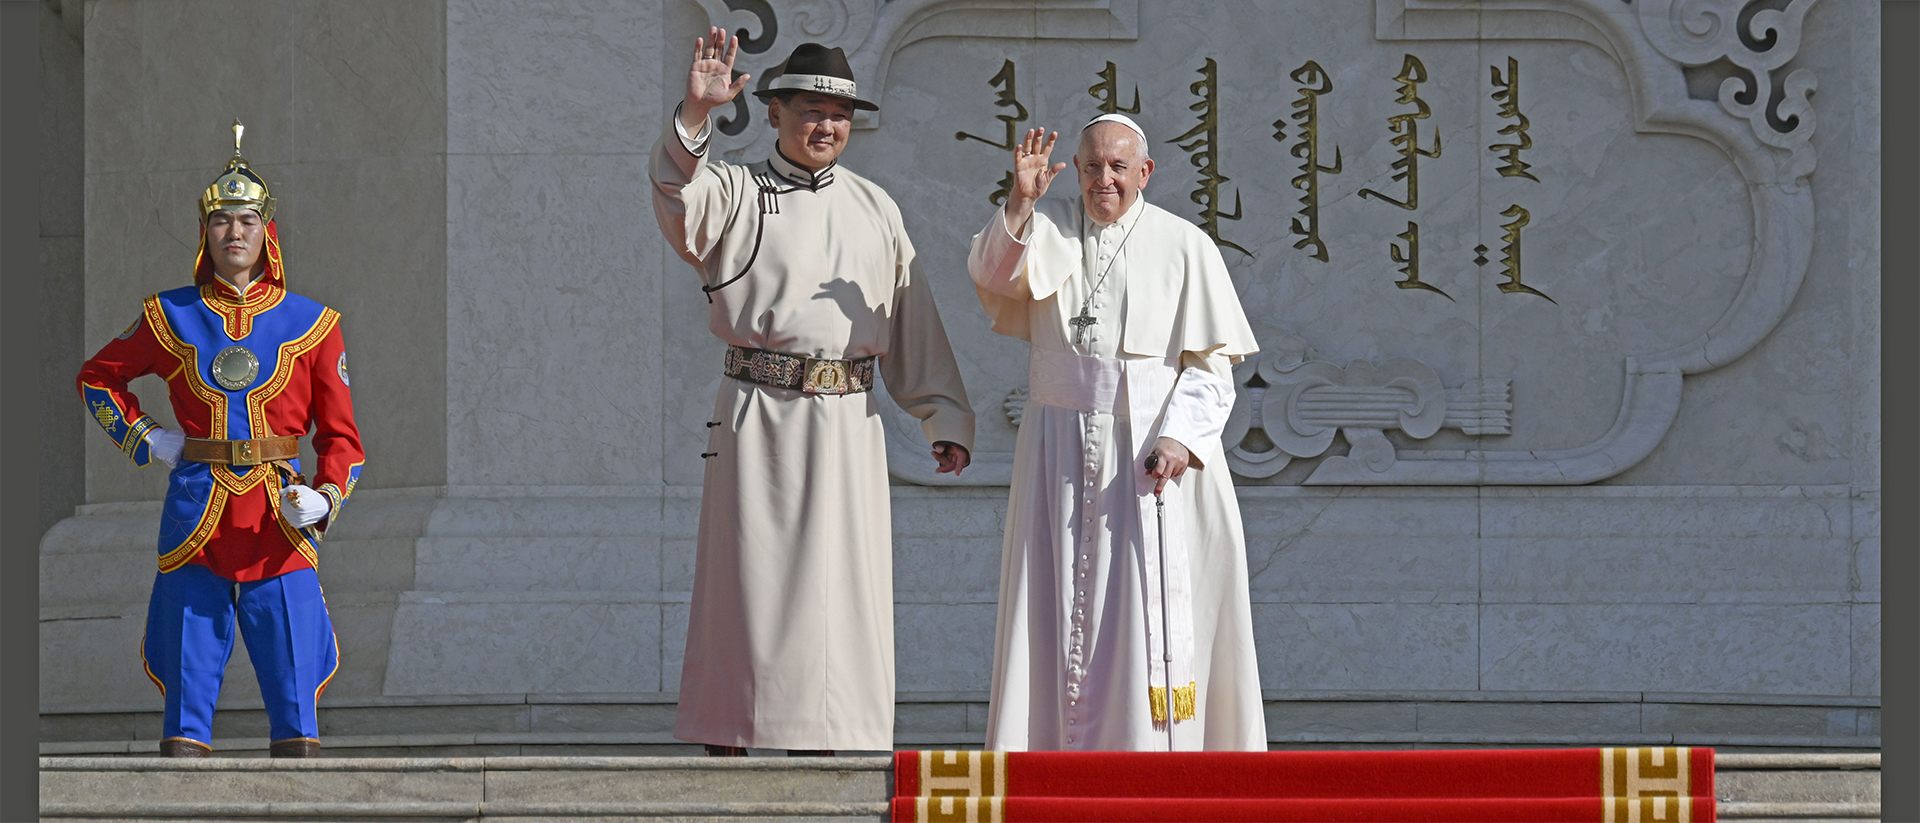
<point>952,457</point>
<point>1169,462</point>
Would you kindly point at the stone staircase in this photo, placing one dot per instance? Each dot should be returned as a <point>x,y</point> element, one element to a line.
<point>1769,787</point>
<point>420,790</point>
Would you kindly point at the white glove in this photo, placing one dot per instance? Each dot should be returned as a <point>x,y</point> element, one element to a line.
<point>303,506</point>
<point>166,444</point>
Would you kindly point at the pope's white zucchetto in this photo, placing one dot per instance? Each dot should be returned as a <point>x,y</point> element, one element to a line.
<point>1122,120</point>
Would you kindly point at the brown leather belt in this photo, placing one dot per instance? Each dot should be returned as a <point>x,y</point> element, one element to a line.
<point>812,375</point>
<point>241,452</point>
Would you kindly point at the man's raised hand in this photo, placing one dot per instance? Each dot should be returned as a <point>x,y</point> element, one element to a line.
<point>1031,176</point>
<point>710,80</point>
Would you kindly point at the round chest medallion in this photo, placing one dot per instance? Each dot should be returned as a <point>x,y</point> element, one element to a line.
<point>235,368</point>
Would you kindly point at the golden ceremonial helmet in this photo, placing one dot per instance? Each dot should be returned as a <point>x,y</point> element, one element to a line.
<point>238,187</point>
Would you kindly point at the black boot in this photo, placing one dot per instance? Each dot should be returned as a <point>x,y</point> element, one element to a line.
<point>809,752</point>
<point>294,747</point>
<point>726,751</point>
<point>182,747</point>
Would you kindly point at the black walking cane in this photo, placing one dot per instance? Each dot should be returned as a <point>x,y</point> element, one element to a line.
<point>1166,625</point>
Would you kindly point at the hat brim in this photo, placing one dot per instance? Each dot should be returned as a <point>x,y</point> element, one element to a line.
<point>862,105</point>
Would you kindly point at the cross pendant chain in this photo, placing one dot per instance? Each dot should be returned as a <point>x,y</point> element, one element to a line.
<point>1080,324</point>
<point>1085,318</point>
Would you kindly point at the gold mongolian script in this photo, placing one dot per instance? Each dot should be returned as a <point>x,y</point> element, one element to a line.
<point>1008,96</point>
<point>1506,92</point>
<point>1510,253</point>
<point>1410,258</point>
<point>1204,152</point>
<point>1314,84</point>
<point>1406,129</point>
<point>1107,91</point>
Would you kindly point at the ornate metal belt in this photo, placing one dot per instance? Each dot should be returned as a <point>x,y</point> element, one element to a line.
<point>241,452</point>
<point>813,375</point>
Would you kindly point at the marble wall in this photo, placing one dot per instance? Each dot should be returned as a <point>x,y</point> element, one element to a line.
<point>1657,472</point>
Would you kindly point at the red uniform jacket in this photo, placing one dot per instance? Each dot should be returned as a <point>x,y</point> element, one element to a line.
<point>228,517</point>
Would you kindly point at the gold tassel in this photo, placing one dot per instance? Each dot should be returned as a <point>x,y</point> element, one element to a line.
<point>1183,702</point>
<point>1183,699</point>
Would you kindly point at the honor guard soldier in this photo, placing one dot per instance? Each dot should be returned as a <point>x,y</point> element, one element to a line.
<point>250,367</point>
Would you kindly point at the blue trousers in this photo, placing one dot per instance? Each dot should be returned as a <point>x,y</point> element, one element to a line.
<point>190,625</point>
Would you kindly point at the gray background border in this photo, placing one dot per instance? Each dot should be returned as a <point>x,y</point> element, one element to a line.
<point>20,414</point>
<point>1900,479</point>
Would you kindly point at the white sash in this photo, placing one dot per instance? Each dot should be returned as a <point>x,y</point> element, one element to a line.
<point>1080,382</point>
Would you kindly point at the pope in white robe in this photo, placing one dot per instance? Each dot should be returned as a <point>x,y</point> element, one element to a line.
<point>1134,328</point>
<point>790,630</point>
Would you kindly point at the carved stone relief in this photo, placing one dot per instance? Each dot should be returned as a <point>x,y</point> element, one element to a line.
<point>1288,410</point>
<point>1760,116</point>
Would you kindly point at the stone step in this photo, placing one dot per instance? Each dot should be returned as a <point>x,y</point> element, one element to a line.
<point>523,789</point>
<point>1798,787</point>
<point>1761,787</point>
<point>540,724</point>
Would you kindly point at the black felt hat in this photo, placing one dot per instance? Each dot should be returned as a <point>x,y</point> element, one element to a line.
<point>816,68</point>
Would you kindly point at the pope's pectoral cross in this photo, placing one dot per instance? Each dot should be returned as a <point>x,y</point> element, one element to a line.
<point>1080,324</point>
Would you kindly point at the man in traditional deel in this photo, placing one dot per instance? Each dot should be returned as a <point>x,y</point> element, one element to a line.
<point>814,286</point>
<point>250,367</point>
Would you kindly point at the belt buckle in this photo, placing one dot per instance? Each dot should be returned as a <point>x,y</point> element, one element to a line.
<point>824,377</point>
<point>243,453</point>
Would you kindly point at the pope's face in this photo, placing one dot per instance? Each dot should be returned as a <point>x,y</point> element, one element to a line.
<point>235,238</point>
<point>1113,170</point>
<point>813,127</point>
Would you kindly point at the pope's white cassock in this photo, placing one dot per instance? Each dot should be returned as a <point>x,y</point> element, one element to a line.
<point>790,632</point>
<point>1078,647</point>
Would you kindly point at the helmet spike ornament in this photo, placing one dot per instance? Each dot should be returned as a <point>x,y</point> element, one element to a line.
<point>238,187</point>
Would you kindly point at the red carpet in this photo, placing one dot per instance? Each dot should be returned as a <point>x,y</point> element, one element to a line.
<point>1653,785</point>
